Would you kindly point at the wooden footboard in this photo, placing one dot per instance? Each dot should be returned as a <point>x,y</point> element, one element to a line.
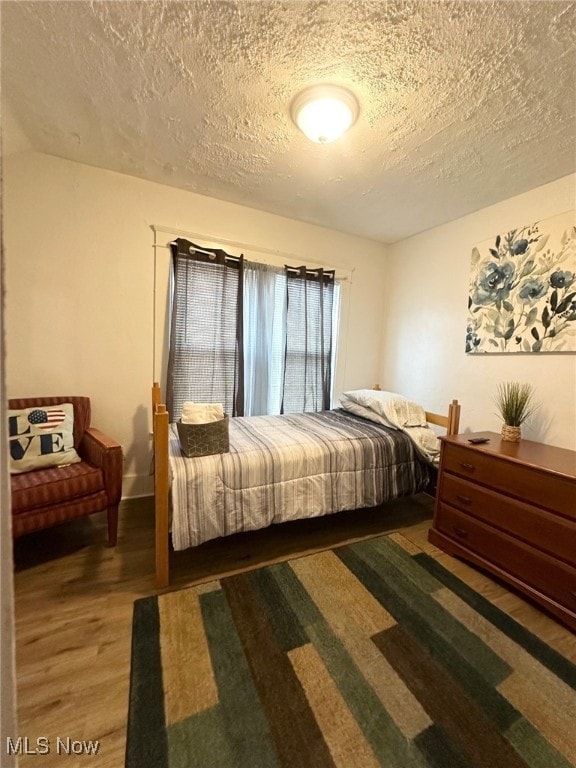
<point>449,422</point>
<point>161,488</point>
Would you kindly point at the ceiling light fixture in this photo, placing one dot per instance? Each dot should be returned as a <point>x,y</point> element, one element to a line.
<point>324,112</point>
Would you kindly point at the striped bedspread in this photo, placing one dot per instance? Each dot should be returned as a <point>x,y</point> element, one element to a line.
<point>282,468</point>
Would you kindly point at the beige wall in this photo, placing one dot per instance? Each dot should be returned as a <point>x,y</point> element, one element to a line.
<point>425,324</point>
<point>80,282</point>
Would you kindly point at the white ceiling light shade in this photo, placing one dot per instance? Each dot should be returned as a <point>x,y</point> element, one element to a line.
<point>324,112</point>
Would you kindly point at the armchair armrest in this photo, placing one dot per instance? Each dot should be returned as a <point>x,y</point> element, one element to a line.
<point>105,453</point>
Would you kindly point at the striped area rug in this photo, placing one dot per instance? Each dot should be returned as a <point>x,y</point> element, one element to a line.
<point>366,655</point>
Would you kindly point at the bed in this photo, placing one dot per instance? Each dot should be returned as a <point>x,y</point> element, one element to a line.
<point>282,468</point>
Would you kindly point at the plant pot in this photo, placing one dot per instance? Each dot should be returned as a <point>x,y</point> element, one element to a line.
<point>511,434</point>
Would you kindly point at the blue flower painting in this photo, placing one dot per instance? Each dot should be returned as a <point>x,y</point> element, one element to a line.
<point>523,290</point>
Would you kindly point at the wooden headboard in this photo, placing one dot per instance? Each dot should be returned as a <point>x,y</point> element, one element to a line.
<point>451,422</point>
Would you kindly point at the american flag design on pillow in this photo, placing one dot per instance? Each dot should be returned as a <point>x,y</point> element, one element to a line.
<point>47,419</point>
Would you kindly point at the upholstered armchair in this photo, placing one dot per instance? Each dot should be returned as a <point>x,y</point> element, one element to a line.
<point>50,495</point>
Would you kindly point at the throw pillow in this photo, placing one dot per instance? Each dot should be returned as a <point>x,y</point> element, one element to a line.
<point>41,437</point>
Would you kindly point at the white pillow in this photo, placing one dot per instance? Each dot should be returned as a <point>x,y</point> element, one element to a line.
<point>396,410</point>
<point>41,437</point>
<point>360,410</point>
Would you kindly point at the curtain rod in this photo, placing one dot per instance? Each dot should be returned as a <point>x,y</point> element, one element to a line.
<point>197,249</point>
<point>240,246</point>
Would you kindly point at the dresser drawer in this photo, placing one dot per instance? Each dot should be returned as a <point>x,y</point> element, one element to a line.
<point>545,530</point>
<point>547,490</point>
<point>536,569</point>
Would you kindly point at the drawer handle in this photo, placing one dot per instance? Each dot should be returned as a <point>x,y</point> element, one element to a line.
<point>464,499</point>
<point>465,465</point>
<point>460,532</point>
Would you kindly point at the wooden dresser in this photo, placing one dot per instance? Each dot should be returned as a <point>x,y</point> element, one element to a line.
<point>510,508</point>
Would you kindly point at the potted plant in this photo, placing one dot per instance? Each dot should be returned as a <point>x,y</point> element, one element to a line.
<point>515,403</point>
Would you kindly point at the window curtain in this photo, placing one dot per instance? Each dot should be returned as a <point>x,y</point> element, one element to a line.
<point>256,338</point>
<point>206,359</point>
<point>264,338</point>
<point>308,358</point>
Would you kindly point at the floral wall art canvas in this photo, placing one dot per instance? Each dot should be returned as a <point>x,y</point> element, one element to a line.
<point>523,289</point>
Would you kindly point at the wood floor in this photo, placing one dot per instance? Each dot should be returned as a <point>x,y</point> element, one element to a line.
<point>74,598</point>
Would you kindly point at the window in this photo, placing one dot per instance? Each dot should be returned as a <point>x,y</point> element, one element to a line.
<point>291,355</point>
<point>205,356</point>
<point>257,338</point>
<point>308,361</point>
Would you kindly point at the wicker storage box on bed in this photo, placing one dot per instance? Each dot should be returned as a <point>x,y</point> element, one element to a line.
<point>204,439</point>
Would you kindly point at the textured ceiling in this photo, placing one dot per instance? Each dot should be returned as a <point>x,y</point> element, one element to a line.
<point>463,103</point>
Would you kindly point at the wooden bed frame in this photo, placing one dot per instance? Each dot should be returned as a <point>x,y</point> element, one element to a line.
<point>160,425</point>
